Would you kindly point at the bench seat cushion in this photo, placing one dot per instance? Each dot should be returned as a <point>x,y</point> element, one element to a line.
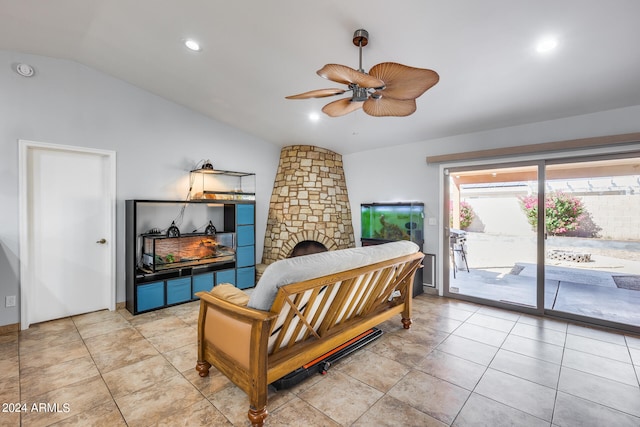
<point>298,269</point>
<point>230,293</point>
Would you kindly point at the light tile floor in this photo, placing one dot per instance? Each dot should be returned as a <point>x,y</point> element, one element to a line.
<point>460,364</point>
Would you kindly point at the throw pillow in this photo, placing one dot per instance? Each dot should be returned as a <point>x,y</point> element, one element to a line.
<point>230,293</point>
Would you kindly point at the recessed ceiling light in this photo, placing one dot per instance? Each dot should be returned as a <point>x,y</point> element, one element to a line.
<point>314,117</point>
<point>192,45</point>
<point>547,44</point>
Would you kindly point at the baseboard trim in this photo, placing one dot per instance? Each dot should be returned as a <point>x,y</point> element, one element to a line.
<point>6,329</point>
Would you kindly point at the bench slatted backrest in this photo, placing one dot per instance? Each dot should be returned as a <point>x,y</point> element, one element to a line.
<point>314,308</point>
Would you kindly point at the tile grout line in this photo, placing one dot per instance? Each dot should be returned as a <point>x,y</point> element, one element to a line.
<point>98,369</point>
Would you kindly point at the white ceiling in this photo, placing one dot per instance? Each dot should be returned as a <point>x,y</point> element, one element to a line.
<point>257,52</point>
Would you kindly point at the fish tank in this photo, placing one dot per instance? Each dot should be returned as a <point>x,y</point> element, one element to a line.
<point>393,221</point>
<point>160,252</point>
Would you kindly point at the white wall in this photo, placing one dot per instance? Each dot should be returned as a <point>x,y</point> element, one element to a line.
<point>157,143</point>
<point>402,174</point>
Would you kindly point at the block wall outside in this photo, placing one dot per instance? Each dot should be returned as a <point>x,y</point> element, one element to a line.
<point>612,216</point>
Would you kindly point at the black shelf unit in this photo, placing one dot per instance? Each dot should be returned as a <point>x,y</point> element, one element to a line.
<point>147,291</point>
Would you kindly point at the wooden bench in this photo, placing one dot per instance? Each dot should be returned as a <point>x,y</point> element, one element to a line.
<point>309,318</point>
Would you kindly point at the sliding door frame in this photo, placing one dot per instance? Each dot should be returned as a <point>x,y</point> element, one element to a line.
<point>445,257</point>
<point>541,159</point>
<point>572,316</point>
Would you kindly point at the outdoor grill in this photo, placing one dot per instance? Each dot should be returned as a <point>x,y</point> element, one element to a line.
<point>457,237</point>
<point>458,241</point>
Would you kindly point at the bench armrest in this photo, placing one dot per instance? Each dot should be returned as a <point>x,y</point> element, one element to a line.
<point>233,330</point>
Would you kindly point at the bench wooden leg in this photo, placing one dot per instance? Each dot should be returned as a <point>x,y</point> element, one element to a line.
<point>406,323</point>
<point>203,368</point>
<point>257,416</point>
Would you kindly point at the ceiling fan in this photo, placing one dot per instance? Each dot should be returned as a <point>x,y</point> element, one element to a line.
<point>389,89</point>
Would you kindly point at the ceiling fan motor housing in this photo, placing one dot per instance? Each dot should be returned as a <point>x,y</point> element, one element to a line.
<point>360,94</point>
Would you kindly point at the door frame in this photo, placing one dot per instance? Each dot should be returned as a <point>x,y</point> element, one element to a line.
<point>26,281</point>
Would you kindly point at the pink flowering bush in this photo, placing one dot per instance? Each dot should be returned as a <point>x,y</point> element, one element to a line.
<point>562,212</point>
<point>466,214</point>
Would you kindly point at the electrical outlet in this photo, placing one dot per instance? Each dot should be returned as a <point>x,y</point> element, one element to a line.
<point>433,221</point>
<point>10,301</point>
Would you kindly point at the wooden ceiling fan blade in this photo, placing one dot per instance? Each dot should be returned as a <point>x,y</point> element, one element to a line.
<point>341,107</point>
<point>319,93</point>
<point>403,82</point>
<point>389,107</point>
<point>346,75</point>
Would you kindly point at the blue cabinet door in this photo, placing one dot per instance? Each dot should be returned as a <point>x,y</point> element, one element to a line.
<point>226,276</point>
<point>150,296</point>
<point>246,277</point>
<point>202,282</point>
<point>178,290</point>
<point>245,214</point>
<point>245,256</point>
<point>245,235</point>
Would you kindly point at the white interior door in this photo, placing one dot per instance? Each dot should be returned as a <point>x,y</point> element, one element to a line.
<point>67,235</point>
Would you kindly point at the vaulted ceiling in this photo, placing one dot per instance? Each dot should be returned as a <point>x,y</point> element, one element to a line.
<point>254,53</point>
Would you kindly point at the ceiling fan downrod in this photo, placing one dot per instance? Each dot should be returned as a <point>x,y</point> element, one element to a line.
<point>361,39</point>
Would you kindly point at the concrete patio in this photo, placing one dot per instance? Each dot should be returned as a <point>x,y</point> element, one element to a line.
<point>502,268</point>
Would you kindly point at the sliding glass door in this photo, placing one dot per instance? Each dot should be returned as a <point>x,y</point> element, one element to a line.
<point>554,236</point>
<point>492,247</point>
<point>592,258</point>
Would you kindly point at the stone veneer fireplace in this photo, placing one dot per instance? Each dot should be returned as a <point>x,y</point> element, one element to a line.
<point>309,202</point>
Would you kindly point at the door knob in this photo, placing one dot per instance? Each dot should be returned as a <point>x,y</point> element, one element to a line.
<point>102,241</point>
